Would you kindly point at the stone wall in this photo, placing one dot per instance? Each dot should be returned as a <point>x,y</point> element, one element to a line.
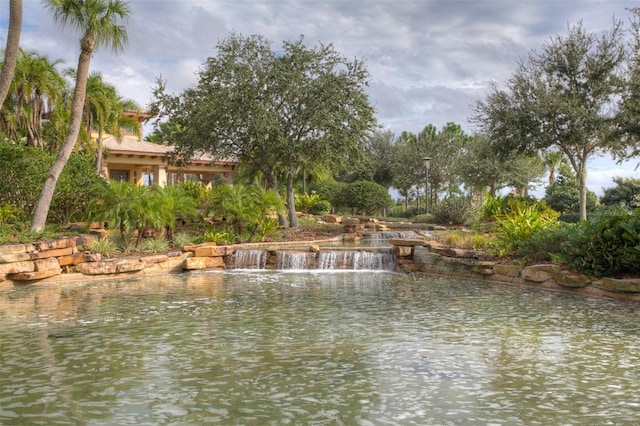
<point>69,259</point>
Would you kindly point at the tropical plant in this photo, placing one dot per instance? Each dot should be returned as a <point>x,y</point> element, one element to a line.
<point>37,90</point>
<point>243,208</point>
<point>104,246</point>
<point>155,245</point>
<point>520,221</point>
<point>100,24</point>
<point>119,205</point>
<point>172,202</point>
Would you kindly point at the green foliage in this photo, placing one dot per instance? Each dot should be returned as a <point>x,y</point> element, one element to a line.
<point>626,192</point>
<point>520,221</point>
<point>453,211</point>
<point>24,170</point>
<point>366,197</point>
<point>182,239</point>
<point>331,191</point>
<point>7,214</point>
<point>104,246</point>
<point>322,207</point>
<point>155,245</point>
<point>243,208</point>
<point>77,186</point>
<point>222,238</point>
<point>544,243</point>
<point>563,196</point>
<point>304,202</point>
<point>608,245</point>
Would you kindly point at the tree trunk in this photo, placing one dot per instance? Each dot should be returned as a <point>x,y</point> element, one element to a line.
<point>44,203</point>
<point>272,183</point>
<point>11,49</point>
<point>582,181</point>
<point>291,203</point>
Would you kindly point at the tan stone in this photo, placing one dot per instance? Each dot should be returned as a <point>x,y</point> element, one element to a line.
<point>60,243</point>
<point>507,270</point>
<point>402,251</point>
<point>196,246</point>
<point>407,242</point>
<point>129,265</point>
<point>48,264</point>
<point>572,280</point>
<point>14,257</point>
<point>52,253</point>
<point>16,267</point>
<point>209,251</point>
<point>17,248</point>
<point>97,268</point>
<point>75,258</point>
<point>622,285</point>
<point>332,218</point>
<point>195,263</point>
<point>540,273</point>
<point>158,258</point>
<point>33,276</point>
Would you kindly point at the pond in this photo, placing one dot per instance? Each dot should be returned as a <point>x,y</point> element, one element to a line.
<point>321,348</point>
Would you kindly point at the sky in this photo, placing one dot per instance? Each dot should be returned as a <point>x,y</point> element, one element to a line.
<point>430,61</point>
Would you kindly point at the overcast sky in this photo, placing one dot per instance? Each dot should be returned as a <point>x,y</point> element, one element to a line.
<point>429,60</point>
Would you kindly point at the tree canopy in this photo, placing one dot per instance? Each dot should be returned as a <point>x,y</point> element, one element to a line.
<point>278,111</point>
<point>564,98</point>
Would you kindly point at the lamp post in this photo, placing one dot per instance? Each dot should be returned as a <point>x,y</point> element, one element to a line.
<point>426,161</point>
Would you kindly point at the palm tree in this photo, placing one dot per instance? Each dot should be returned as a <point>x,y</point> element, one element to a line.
<point>37,89</point>
<point>553,160</point>
<point>99,21</point>
<point>104,113</point>
<point>11,50</point>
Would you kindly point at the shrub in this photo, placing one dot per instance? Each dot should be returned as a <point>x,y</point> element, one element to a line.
<point>453,211</point>
<point>608,245</point>
<point>320,208</point>
<point>365,197</point>
<point>544,244</point>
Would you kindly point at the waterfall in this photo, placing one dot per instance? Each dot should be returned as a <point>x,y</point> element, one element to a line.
<point>356,260</point>
<point>249,259</point>
<point>381,238</point>
<point>295,260</point>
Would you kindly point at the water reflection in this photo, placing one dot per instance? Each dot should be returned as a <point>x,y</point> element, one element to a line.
<point>314,348</point>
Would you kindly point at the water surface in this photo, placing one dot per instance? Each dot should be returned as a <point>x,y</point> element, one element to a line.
<point>321,348</point>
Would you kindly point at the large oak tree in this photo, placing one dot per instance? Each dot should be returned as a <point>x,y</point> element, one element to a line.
<point>563,98</point>
<point>277,111</point>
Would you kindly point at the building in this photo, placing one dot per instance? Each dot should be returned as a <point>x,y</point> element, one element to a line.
<point>144,163</point>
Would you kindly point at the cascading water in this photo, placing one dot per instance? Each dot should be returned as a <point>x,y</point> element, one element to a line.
<point>382,237</point>
<point>249,259</point>
<point>295,260</point>
<point>355,260</point>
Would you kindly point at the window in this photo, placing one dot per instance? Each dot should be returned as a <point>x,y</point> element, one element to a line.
<point>120,175</point>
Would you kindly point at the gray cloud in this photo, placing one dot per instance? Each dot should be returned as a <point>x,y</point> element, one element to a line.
<point>429,60</point>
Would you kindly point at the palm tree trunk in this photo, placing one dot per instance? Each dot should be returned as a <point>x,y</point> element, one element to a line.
<point>11,49</point>
<point>291,203</point>
<point>44,203</point>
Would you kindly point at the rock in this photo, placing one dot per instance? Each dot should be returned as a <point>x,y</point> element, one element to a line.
<point>540,273</point>
<point>332,218</point>
<point>196,263</point>
<point>411,242</point>
<point>210,251</point>
<point>622,285</point>
<point>33,276</point>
